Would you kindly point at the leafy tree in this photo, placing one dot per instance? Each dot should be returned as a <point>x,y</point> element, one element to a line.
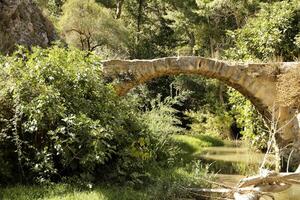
<point>87,25</point>
<point>202,92</point>
<point>151,34</point>
<point>271,33</point>
<point>183,21</point>
<point>201,25</point>
<point>52,7</point>
<point>247,119</point>
<point>217,123</point>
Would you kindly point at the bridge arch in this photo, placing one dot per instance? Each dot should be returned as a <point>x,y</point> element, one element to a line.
<point>257,82</point>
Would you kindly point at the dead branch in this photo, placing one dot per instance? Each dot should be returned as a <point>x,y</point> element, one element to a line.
<point>254,187</point>
<point>273,177</point>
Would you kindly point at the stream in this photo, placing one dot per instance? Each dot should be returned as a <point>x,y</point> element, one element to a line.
<point>230,163</point>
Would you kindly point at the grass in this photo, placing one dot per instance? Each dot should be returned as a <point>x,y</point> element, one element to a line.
<point>68,192</point>
<point>165,182</point>
<point>193,145</point>
<point>166,185</point>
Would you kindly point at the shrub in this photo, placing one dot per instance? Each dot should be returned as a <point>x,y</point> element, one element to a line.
<point>215,124</point>
<point>161,120</point>
<point>58,118</point>
<point>248,120</point>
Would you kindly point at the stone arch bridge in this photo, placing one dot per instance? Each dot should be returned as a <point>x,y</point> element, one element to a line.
<point>257,82</point>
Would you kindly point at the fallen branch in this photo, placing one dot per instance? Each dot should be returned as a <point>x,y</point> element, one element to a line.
<point>255,187</point>
<point>274,177</point>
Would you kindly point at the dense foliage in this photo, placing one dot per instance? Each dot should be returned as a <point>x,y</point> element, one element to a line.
<point>88,26</point>
<point>58,118</point>
<point>270,35</point>
<point>235,29</point>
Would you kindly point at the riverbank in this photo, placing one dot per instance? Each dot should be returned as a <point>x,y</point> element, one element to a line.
<point>202,157</point>
<point>164,182</point>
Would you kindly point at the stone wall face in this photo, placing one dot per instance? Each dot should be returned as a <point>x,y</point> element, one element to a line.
<point>257,82</point>
<point>22,22</point>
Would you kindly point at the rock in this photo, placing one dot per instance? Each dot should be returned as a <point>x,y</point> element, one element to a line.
<point>22,22</point>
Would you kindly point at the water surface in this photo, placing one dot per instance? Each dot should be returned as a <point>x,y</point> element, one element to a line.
<point>232,162</point>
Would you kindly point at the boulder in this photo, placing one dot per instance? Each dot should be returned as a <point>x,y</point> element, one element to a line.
<point>23,23</point>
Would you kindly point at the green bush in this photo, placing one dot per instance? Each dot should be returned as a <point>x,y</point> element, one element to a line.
<point>272,32</point>
<point>215,124</point>
<point>58,118</point>
<point>248,120</point>
<point>161,120</point>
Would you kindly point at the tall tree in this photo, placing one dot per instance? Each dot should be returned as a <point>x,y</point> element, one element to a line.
<point>88,25</point>
<point>272,33</point>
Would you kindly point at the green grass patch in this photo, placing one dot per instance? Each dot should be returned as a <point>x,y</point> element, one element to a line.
<point>211,141</point>
<point>68,192</point>
<point>192,145</point>
<point>165,182</point>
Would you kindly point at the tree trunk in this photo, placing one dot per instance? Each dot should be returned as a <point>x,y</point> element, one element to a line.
<point>277,158</point>
<point>212,49</point>
<point>139,17</point>
<point>192,42</point>
<point>221,97</point>
<point>119,8</point>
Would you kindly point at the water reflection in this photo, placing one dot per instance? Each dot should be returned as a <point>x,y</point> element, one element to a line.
<point>233,154</point>
<point>231,162</point>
